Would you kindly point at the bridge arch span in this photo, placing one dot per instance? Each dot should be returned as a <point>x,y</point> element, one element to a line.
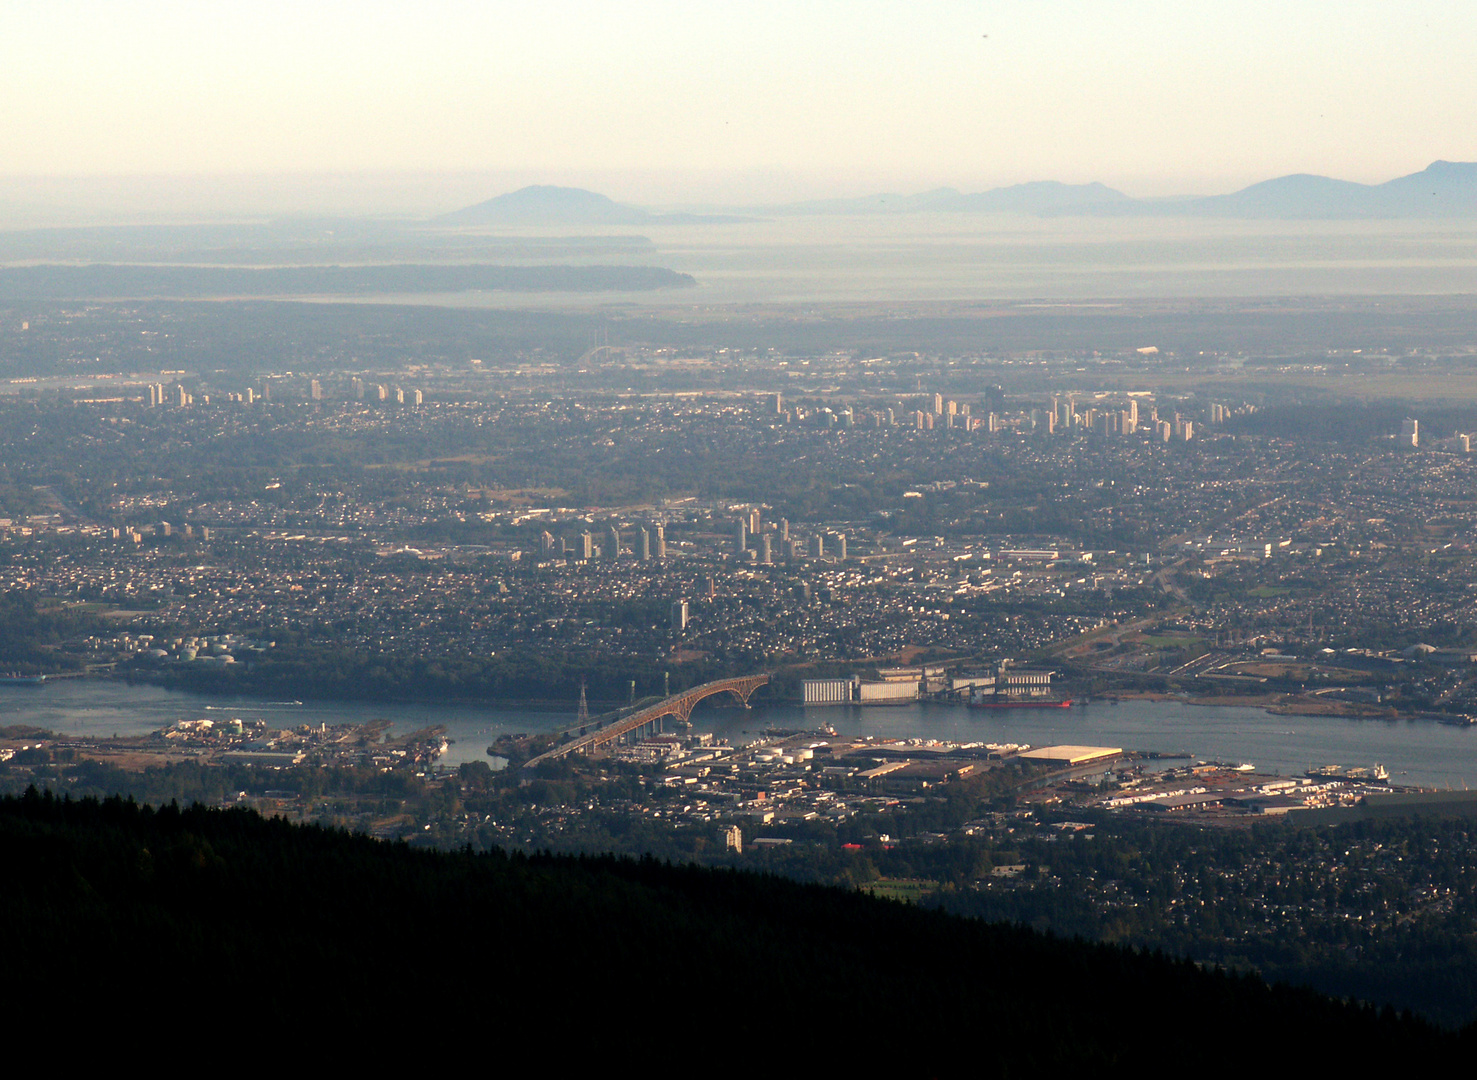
<point>678,705</point>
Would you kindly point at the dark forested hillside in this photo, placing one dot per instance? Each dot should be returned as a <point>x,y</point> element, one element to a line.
<point>120,912</point>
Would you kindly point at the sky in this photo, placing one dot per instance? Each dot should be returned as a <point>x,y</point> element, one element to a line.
<point>690,103</point>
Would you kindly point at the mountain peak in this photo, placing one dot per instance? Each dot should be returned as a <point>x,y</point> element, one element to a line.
<point>547,204</point>
<point>1453,168</point>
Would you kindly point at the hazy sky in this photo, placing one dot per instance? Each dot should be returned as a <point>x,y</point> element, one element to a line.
<point>692,101</point>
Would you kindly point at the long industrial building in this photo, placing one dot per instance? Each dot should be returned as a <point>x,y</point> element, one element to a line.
<point>854,691</point>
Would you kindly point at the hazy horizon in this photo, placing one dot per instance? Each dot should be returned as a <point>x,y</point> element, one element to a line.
<point>381,108</point>
<point>60,201</point>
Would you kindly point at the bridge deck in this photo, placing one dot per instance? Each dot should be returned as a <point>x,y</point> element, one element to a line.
<point>679,705</point>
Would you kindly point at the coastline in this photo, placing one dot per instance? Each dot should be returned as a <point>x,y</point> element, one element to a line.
<point>1291,705</point>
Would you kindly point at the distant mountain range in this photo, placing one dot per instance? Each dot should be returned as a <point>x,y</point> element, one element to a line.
<point>1444,189</point>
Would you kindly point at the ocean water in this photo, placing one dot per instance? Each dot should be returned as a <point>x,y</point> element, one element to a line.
<point>954,258</point>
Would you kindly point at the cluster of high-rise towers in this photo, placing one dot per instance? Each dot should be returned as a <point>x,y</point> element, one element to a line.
<point>1065,417</point>
<point>754,540</point>
<point>650,543</point>
<point>308,389</point>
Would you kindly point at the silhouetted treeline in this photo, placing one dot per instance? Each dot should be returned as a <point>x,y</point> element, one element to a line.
<point>121,914</point>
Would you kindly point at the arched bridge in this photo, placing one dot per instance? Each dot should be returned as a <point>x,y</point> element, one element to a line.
<point>651,717</point>
<point>602,352</point>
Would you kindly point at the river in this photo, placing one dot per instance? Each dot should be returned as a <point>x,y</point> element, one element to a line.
<point>1415,751</point>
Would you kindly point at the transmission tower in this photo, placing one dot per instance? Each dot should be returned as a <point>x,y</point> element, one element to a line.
<point>583,719</point>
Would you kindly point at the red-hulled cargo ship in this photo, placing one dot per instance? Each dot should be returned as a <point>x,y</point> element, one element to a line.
<point>1023,703</point>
